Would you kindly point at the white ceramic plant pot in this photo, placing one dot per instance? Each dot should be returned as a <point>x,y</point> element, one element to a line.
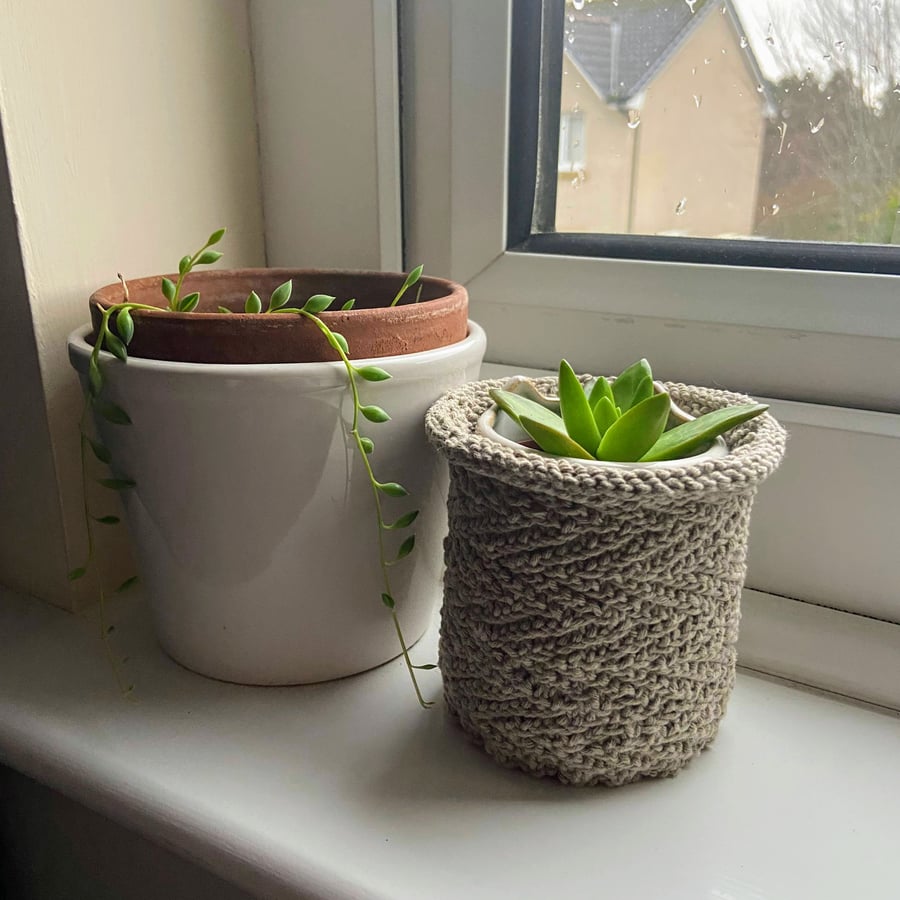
<point>252,516</point>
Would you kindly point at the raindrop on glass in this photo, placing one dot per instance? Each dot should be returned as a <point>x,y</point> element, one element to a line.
<point>759,89</point>
<point>571,37</point>
<point>571,17</point>
<point>634,116</point>
<point>680,206</point>
<point>826,56</point>
<point>691,4</point>
<point>578,4</point>
<point>693,70</point>
<point>815,129</point>
<point>698,99</point>
<point>744,42</point>
<point>839,46</point>
<point>578,84</point>
<point>770,37</point>
<point>706,61</point>
<point>874,68</point>
<point>775,209</point>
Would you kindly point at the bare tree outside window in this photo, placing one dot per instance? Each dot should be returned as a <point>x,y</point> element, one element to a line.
<point>774,119</point>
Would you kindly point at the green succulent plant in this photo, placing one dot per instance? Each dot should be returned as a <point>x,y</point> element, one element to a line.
<point>621,420</point>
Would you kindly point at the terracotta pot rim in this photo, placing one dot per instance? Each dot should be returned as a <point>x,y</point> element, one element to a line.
<point>111,294</point>
<point>78,342</point>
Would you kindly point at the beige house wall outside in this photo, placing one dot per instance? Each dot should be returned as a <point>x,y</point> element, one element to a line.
<point>707,154</point>
<point>130,136</point>
<point>598,202</point>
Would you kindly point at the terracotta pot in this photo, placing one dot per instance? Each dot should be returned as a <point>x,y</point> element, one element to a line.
<point>373,328</point>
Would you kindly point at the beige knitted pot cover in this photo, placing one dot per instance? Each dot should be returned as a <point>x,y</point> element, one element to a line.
<point>590,614</point>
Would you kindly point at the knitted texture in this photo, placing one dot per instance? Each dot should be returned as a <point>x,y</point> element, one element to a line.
<point>590,614</point>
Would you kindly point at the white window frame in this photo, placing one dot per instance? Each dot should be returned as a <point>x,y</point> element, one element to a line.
<point>827,344</point>
<point>692,319</point>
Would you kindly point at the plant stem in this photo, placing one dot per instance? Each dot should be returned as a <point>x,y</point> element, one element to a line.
<point>376,494</point>
<point>173,303</point>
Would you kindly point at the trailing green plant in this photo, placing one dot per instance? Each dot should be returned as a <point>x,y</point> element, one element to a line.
<point>116,342</point>
<point>623,420</point>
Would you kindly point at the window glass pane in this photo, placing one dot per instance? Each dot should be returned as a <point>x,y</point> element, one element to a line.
<point>731,118</point>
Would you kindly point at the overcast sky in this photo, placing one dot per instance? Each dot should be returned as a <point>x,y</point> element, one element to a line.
<point>784,20</point>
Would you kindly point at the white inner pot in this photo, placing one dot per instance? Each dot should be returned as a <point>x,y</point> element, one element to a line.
<point>252,517</point>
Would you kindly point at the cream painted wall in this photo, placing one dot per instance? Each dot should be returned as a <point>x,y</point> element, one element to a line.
<point>599,201</point>
<point>315,68</point>
<point>32,548</point>
<point>130,135</point>
<point>708,154</point>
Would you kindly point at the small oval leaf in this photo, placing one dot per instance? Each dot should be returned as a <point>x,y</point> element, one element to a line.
<point>404,521</point>
<point>168,289</point>
<point>95,377</point>
<point>281,295</point>
<point>253,304</point>
<point>100,451</point>
<point>373,373</point>
<point>348,305</point>
<point>426,667</point>
<point>184,265</point>
<point>392,489</point>
<point>116,484</point>
<point>115,346</point>
<point>388,601</point>
<point>406,547</point>
<point>208,257</point>
<point>318,303</point>
<point>75,574</point>
<point>215,237</point>
<point>189,303</point>
<point>375,414</point>
<point>127,583</point>
<point>367,444</point>
<point>340,341</point>
<point>125,325</point>
<point>107,520</point>
<point>112,413</point>
<point>224,309</point>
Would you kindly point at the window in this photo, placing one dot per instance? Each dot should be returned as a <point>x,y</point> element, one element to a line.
<point>813,324</point>
<point>774,119</point>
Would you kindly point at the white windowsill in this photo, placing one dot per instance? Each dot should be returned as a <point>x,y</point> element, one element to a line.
<point>349,790</point>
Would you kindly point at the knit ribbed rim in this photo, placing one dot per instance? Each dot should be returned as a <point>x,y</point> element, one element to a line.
<point>755,450</point>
